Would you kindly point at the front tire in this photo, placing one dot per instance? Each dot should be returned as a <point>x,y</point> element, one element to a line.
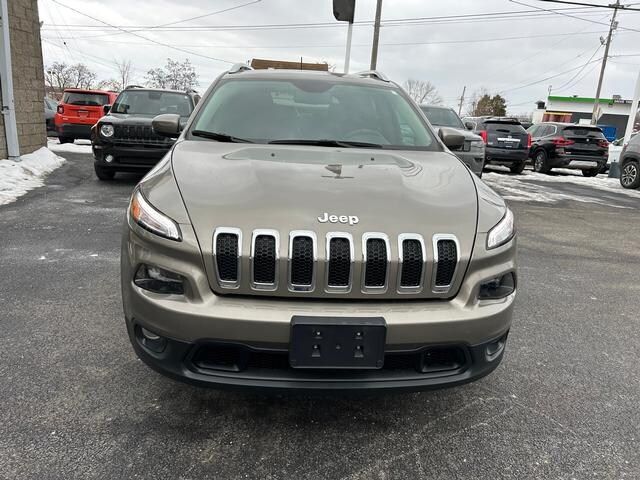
<point>517,168</point>
<point>630,174</point>
<point>540,162</point>
<point>104,174</point>
<point>591,172</point>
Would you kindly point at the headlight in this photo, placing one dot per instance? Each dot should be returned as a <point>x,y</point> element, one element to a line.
<point>479,144</point>
<point>106,130</point>
<point>143,213</point>
<point>502,232</point>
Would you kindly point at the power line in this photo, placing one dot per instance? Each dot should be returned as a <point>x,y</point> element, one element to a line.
<point>580,71</point>
<point>548,78</point>
<point>368,45</point>
<point>570,16</point>
<point>622,7</point>
<point>143,37</point>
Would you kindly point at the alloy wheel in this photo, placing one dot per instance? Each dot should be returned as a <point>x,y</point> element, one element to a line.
<point>629,174</point>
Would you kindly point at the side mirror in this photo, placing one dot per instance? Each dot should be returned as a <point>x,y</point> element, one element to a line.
<point>451,138</point>
<point>167,125</point>
<point>469,125</point>
<point>106,109</point>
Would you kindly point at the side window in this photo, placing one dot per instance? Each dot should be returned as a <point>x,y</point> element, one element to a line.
<point>553,129</point>
<point>532,130</point>
<point>543,131</point>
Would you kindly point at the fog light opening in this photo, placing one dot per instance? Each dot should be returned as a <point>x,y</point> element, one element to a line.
<point>150,340</point>
<point>109,158</point>
<point>498,287</point>
<point>150,335</point>
<point>159,280</point>
<point>494,349</point>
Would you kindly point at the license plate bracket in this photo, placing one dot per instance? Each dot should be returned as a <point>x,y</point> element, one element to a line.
<point>337,342</point>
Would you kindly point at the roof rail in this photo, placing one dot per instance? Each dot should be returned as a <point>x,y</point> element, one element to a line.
<point>373,74</point>
<point>133,86</point>
<point>239,67</point>
<point>191,90</point>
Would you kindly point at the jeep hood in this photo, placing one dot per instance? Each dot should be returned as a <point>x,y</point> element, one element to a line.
<point>288,187</point>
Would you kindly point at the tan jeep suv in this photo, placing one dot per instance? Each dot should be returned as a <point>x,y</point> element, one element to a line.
<point>310,231</point>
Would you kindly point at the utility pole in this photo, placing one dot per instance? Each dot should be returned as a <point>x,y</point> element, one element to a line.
<point>464,89</point>
<point>614,25</point>
<point>376,36</point>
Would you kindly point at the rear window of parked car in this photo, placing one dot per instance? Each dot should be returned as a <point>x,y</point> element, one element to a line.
<point>583,132</point>
<point>85,99</point>
<point>506,127</point>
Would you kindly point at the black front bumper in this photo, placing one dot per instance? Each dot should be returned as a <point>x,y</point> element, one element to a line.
<point>128,157</point>
<point>214,364</point>
<point>74,130</point>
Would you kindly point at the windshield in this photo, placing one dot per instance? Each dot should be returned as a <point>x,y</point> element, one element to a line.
<point>311,110</point>
<point>442,117</point>
<point>86,99</point>
<point>145,102</point>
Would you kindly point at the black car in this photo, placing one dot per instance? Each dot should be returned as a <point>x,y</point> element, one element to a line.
<point>123,139</point>
<point>630,163</point>
<point>50,107</point>
<point>506,141</point>
<point>568,145</point>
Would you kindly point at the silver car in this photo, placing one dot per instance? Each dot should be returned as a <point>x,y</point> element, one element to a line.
<point>310,231</point>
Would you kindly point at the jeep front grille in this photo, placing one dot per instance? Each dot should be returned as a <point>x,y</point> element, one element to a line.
<point>264,259</point>
<point>227,247</point>
<point>447,255</point>
<point>142,134</point>
<point>330,265</point>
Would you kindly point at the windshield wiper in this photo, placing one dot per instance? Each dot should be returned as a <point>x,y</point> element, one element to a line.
<point>327,143</point>
<point>220,137</point>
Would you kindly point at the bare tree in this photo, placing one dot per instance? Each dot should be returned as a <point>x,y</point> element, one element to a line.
<point>175,75</point>
<point>472,108</point>
<point>81,76</point>
<point>125,69</point>
<point>422,92</point>
<point>123,79</point>
<point>58,76</point>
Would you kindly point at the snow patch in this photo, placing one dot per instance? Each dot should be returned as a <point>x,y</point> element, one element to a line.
<point>520,188</point>
<point>80,146</point>
<point>17,178</point>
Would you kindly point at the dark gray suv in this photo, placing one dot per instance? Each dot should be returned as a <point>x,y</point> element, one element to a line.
<point>472,152</point>
<point>630,164</point>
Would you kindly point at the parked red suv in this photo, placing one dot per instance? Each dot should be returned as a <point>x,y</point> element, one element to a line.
<point>78,111</point>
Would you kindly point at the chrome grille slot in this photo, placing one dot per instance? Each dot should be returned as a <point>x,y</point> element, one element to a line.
<point>340,257</point>
<point>375,247</point>
<point>227,250</point>
<point>264,259</point>
<point>447,254</point>
<point>302,260</point>
<point>412,260</point>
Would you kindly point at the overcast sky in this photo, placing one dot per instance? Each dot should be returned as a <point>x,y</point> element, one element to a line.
<point>451,53</point>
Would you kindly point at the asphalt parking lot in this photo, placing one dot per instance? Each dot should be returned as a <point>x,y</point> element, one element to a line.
<point>76,403</point>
